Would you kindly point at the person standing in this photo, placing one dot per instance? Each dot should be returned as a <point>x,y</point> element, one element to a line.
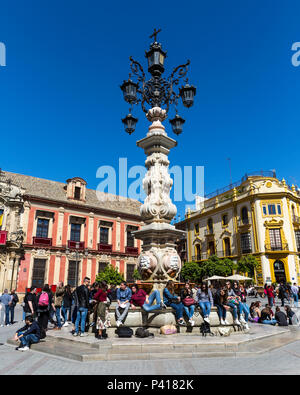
<point>59,295</point>
<point>14,301</point>
<point>295,290</point>
<point>30,303</point>
<point>102,321</point>
<point>282,293</point>
<point>44,305</point>
<point>67,304</point>
<point>123,298</point>
<point>82,302</point>
<point>6,300</point>
<point>270,294</point>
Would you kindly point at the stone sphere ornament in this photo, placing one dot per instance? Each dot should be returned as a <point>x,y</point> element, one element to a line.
<point>171,264</point>
<point>147,263</point>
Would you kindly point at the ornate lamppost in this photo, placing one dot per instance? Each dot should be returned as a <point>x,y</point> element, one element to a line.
<point>159,260</point>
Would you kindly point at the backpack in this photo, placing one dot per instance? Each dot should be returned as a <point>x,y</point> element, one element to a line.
<point>124,331</point>
<point>142,332</point>
<point>205,329</point>
<point>44,299</point>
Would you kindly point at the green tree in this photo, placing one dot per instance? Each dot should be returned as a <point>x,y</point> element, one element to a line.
<point>136,275</point>
<point>110,275</point>
<point>191,271</point>
<point>215,266</point>
<point>247,264</point>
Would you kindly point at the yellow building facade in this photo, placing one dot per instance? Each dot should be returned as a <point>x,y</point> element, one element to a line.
<point>260,215</point>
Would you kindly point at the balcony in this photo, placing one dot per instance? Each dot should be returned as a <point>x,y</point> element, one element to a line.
<point>208,232</point>
<point>75,245</point>
<point>42,241</point>
<point>3,237</point>
<point>272,248</point>
<point>104,247</point>
<point>244,222</point>
<point>132,251</point>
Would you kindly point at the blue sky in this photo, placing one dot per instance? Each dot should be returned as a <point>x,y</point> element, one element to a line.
<point>61,105</point>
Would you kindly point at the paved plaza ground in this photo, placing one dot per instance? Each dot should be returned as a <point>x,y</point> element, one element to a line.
<point>283,360</point>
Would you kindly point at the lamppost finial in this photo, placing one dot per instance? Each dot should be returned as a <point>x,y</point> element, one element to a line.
<point>155,33</point>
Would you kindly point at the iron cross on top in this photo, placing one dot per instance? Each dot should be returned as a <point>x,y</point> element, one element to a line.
<point>155,33</point>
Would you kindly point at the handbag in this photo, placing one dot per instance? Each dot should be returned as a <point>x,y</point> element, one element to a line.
<point>188,301</point>
<point>168,330</point>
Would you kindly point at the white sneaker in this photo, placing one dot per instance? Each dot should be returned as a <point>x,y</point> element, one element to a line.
<point>192,322</point>
<point>25,348</point>
<point>236,322</point>
<point>242,320</point>
<point>226,322</point>
<point>118,323</point>
<point>246,326</point>
<point>207,320</point>
<point>2,325</point>
<point>65,324</point>
<point>222,322</point>
<point>84,334</point>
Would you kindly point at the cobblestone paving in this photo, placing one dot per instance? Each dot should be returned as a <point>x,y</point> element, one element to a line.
<point>285,360</point>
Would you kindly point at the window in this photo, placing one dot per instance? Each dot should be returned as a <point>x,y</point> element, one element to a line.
<point>265,210</point>
<point>225,220</point>
<point>275,239</point>
<point>38,273</point>
<point>129,272</point>
<point>104,232</point>
<point>227,248</point>
<point>75,232</point>
<point>73,273</point>
<point>211,248</point>
<point>77,192</point>
<point>297,235</point>
<point>130,237</point>
<point>102,266</point>
<point>196,229</point>
<point>272,209</point>
<point>278,209</point>
<point>244,215</point>
<point>198,251</point>
<point>210,226</point>
<point>42,227</point>
<point>246,243</point>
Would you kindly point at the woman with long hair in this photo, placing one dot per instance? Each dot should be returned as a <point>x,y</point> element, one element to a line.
<point>103,321</point>
<point>67,304</point>
<point>188,302</point>
<point>172,300</point>
<point>220,301</point>
<point>205,301</point>
<point>44,304</point>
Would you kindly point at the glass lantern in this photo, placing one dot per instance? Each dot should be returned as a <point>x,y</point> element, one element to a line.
<point>187,94</point>
<point>129,89</point>
<point>129,123</point>
<point>156,59</point>
<point>177,124</point>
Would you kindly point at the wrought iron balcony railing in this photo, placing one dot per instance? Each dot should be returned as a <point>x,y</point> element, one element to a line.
<point>104,247</point>
<point>76,245</point>
<point>131,250</point>
<point>42,241</point>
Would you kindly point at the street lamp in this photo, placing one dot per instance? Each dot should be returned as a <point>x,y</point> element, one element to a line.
<point>157,91</point>
<point>77,256</point>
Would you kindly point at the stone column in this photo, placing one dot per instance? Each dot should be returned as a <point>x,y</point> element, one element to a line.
<point>159,260</point>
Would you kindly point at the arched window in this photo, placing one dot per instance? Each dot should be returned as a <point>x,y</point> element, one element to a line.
<point>227,248</point>
<point>244,215</point>
<point>198,252</point>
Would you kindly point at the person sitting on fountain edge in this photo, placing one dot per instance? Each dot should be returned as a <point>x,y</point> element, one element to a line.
<point>205,301</point>
<point>141,299</point>
<point>172,300</point>
<point>123,297</point>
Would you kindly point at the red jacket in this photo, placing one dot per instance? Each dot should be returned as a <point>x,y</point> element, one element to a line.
<point>270,292</point>
<point>101,296</point>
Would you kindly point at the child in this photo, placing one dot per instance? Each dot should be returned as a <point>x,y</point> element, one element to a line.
<point>29,334</point>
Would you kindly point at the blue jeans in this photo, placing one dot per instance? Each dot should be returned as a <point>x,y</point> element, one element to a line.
<point>57,314</point>
<point>66,311</point>
<point>189,311</point>
<point>221,312</point>
<point>206,308</point>
<point>28,339</point>
<point>271,301</point>
<point>178,307</point>
<point>12,313</point>
<point>7,307</point>
<point>269,322</point>
<point>244,308</point>
<point>234,310</point>
<point>155,295</point>
<point>81,315</point>
<point>295,297</point>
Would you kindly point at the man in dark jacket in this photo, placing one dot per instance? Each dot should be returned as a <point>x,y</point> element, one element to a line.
<point>14,301</point>
<point>82,302</point>
<point>282,293</point>
<point>280,317</point>
<point>29,334</point>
